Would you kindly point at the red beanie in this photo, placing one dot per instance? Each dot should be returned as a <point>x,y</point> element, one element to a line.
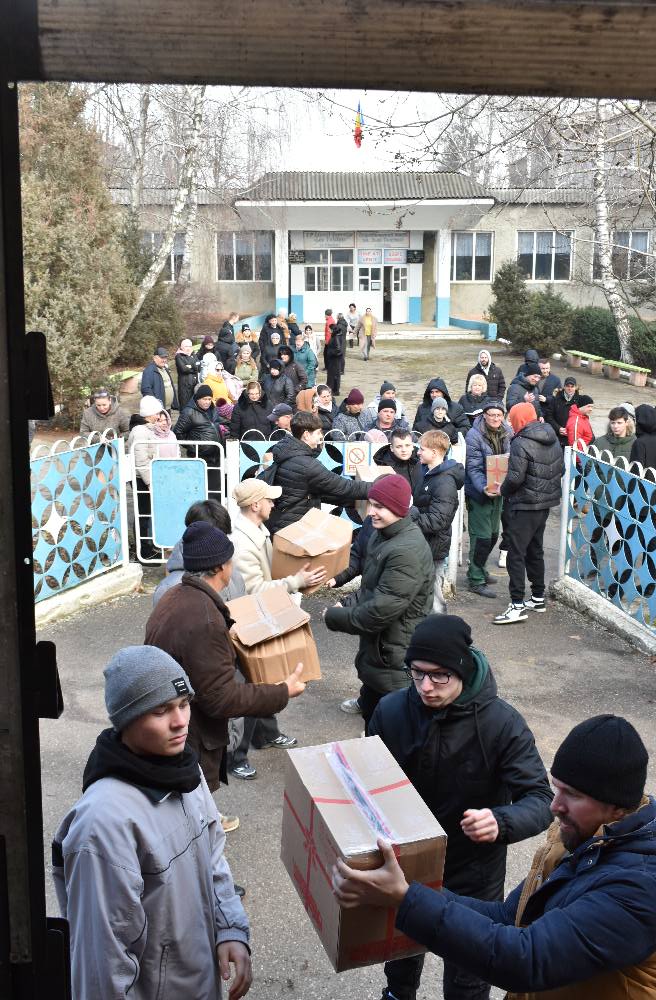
<point>520,415</point>
<point>392,492</point>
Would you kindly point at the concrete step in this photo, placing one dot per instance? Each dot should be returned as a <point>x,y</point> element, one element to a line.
<point>427,333</point>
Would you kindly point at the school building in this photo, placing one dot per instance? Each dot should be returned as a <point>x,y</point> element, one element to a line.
<point>420,248</point>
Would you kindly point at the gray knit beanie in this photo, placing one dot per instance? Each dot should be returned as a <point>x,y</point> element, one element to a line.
<point>439,403</point>
<point>138,679</point>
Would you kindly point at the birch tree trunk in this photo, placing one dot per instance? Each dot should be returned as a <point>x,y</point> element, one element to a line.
<point>190,236</point>
<point>139,145</point>
<point>186,184</point>
<point>609,282</point>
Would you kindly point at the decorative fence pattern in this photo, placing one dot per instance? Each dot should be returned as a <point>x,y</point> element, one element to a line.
<point>77,525</point>
<point>610,542</point>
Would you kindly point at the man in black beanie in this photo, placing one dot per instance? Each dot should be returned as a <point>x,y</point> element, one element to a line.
<point>473,760</point>
<point>582,925</point>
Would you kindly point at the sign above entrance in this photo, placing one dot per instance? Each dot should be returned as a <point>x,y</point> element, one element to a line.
<point>395,256</point>
<point>391,238</point>
<point>328,241</point>
<point>369,258</point>
<point>297,256</point>
<point>415,257</point>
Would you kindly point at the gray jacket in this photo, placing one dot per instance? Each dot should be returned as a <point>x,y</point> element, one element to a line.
<point>175,570</point>
<point>143,881</point>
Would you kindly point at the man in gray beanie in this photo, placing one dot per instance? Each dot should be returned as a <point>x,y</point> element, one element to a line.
<point>138,861</point>
<point>582,925</point>
<point>192,623</point>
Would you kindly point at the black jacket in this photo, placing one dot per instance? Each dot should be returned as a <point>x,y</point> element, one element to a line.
<point>187,366</point>
<point>225,344</point>
<point>279,389</point>
<point>267,353</point>
<point>556,413</point>
<point>410,470</point>
<point>644,447</point>
<point>307,483</point>
<point>327,417</point>
<point>518,389</point>
<point>476,753</point>
<point>195,424</point>
<point>296,374</point>
<point>457,415</point>
<point>357,554</point>
<point>249,417</point>
<point>496,383</point>
<point>434,504</point>
<point>531,357</point>
<point>472,405</point>
<point>535,465</point>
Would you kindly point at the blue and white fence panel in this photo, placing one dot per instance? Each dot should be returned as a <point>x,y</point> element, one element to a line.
<point>609,530</point>
<point>79,522</point>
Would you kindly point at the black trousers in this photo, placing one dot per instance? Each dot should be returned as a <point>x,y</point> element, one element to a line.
<point>256,733</point>
<point>368,701</point>
<point>404,977</point>
<point>526,552</point>
<point>333,375</point>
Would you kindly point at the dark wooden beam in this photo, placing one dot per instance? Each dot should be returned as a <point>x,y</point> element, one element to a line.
<point>587,48</point>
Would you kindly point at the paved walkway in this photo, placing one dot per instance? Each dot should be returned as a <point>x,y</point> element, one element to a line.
<point>556,669</point>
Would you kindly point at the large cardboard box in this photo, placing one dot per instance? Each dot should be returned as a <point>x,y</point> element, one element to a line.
<point>496,469</point>
<point>369,474</point>
<point>338,799</point>
<point>272,635</point>
<point>319,539</point>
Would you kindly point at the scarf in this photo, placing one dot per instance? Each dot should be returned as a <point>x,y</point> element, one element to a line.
<point>112,759</point>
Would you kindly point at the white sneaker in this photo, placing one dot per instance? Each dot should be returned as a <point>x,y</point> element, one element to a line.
<point>502,558</point>
<point>536,604</point>
<point>351,706</point>
<point>513,613</point>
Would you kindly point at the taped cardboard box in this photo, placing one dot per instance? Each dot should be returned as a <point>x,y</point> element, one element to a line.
<point>338,799</point>
<point>369,474</point>
<point>496,469</point>
<point>272,635</point>
<point>319,539</point>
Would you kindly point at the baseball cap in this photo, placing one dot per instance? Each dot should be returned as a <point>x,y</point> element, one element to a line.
<point>280,410</point>
<point>252,490</point>
<point>161,352</point>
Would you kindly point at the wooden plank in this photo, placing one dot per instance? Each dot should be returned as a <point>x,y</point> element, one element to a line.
<point>592,48</point>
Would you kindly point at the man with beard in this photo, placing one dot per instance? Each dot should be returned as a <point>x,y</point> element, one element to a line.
<point>582,925</point>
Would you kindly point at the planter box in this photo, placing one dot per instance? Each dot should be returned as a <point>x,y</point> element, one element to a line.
<point>638,378</point>
<point>595,367</point>
<point>611,372</point>
<point>573,361</point>
<point>129,385</point>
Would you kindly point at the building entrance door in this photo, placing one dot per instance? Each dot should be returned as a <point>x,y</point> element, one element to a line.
<point>387,294</point>
<point>399,305</point>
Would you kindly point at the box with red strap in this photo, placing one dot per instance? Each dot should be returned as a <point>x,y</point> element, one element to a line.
<point>339,798</point>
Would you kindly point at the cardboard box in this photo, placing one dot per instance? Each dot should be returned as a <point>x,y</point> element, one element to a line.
<point>338,799</point>
<point>319,539</point>
<point>272,635</point>
<point>369,474</point>
<point>496,469</point>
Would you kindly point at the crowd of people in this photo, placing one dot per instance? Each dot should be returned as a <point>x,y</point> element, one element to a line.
<point>139,860</point>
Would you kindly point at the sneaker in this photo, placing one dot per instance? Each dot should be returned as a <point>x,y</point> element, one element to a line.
<point>490,580</point>
<point>230,823</point>
<point>282,742</point>
<point>503,555</point>
<point>513,613</point>
<point>536,604</point>
<point>239,890</point>
<point>351,706</point>
<point>244,771</point>
<point>388,995</point>
<point>482,590</point>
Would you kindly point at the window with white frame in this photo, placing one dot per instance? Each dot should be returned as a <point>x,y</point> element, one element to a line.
<point>244,256</point>
<point>630,256</point>
<point>341,270</point>
<point>152,241</point>
<point>316,270</point>
<point>471,256</point>
<point>545,255</point>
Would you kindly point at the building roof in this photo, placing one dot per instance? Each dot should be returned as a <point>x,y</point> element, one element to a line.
<point>352,185</point>
<point>542,196</point>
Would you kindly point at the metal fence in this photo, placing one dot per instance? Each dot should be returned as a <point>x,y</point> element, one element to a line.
<point>79,524</point>
<point>609,531</point>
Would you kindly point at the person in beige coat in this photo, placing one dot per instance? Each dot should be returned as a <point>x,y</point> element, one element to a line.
<point>253,552</point>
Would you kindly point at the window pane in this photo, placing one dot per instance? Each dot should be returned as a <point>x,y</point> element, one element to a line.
<point>336,279</point>
<point>226,260</point>
<point>244,256</point>
<point>596,265</point>
<point>263,257</point>
<point>404,284</point>
<point>310,279</point>
<point>543,244</point>
<point>525,253</point>
<point>347,279</point>
<point>341,256</point>
<point>375,274</point>
<point>316,256</point>
<point>638,262</point>
<point>483,261</point>
<point>464,256</point>
<point>563,257</point>
<point>363,279</point>
<point>322,279</point>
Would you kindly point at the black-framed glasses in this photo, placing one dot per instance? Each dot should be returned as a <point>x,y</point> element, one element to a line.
<point>434,676</point>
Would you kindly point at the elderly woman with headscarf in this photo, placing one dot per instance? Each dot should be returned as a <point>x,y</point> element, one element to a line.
<point>211,373</point>
<point>151,439</point>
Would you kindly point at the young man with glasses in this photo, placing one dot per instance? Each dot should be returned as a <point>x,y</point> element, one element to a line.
<point>473,760</point>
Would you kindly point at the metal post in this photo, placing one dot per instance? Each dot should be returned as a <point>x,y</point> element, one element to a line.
<point>564,512</point>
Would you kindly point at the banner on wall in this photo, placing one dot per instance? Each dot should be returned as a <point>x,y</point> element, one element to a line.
<point>370,258</point>
<point>390,238</point>
<point>328,240</point>
<point>395,256</point>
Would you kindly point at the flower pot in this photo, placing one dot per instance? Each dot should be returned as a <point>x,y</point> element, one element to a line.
<point>638,378</point>
<point>595,367</point>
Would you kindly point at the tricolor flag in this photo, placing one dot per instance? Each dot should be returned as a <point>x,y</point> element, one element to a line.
<point>357,131</point>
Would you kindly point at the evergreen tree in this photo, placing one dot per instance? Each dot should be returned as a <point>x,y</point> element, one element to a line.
<point>159,321</point>
<point>511,308</point>
<point>78,287</point>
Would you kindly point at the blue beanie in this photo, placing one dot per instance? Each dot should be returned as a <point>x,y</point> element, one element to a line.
<point>205,547</point>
